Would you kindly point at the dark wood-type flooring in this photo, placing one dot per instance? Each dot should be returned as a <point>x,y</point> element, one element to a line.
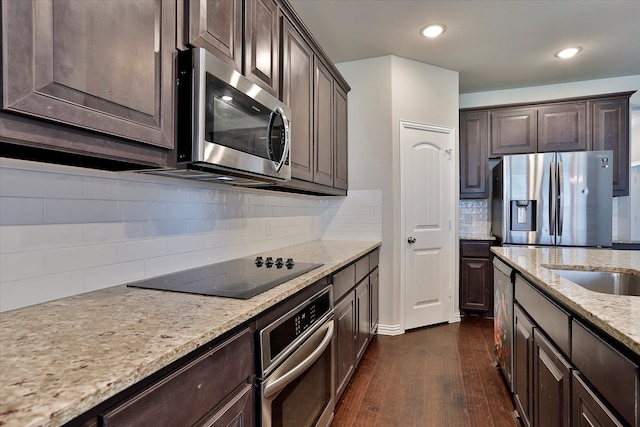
<point>442,376</point>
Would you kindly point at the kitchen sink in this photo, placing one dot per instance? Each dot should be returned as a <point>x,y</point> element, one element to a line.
<point>608,282</point>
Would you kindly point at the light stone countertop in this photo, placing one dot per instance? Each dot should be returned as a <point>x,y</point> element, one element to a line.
<point>61,358</point>
<point>617,315</point>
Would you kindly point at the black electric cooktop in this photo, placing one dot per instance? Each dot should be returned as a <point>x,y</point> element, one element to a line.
<point>239,278</point>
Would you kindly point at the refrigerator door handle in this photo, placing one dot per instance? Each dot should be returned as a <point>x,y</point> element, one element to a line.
<point>559,193</point>
<point>552,198</point>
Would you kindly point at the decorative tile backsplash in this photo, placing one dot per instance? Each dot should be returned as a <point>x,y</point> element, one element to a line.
<point>474,219</point>
<point>67,230</point>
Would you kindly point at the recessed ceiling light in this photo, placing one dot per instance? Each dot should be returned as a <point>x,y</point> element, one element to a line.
<point>227,98</point>
<point>568,52</point>
<point>433,30</point>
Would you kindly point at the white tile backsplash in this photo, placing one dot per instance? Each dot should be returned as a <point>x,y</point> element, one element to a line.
<point>67,230</point>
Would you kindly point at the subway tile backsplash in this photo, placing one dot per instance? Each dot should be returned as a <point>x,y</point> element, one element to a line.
<point>67,230</point>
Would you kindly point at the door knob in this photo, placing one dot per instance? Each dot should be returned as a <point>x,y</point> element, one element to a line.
<point>411,240</point>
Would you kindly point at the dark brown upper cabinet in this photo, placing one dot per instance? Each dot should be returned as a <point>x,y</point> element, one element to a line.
<point>340,161</point>
<point>562,127</point>
<point>474,161</point>
<point>323,125</point>
<point>216,25</point>
<point>513,131</point>
<point>262,44</point>
<point>297,90</point>
<point>248,42</point>
<point>87,65</point>
<point>610,131</point>
<point>578,124</point>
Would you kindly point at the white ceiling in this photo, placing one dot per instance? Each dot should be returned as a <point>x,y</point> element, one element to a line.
<point>494,45</point>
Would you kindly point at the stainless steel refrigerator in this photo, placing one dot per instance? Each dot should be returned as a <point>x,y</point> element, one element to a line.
<point>553,199</point>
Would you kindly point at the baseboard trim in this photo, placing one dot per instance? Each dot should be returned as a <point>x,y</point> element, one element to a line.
<point>391,330</point>
<point>456,317</point>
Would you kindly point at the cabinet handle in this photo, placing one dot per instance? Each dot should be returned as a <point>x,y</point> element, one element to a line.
<point>411,240</point>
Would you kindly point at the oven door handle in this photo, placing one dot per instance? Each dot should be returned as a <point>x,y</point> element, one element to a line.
<point>272,387</point>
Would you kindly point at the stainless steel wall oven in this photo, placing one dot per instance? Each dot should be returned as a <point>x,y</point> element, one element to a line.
<point>296,374</point>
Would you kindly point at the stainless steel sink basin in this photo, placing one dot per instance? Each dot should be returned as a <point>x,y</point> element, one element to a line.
<point>603,281</point>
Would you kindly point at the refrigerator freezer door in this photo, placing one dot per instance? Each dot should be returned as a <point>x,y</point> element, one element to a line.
<point>527,177</point>
<point>585,182</point>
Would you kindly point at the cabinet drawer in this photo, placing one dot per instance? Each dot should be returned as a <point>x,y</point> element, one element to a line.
<point>185,396</point>
<point>343,281</point>
<point>362,268</point>
<point>475,249</point>
<point>551,318</point>
<point>610,372</point>
<point>587,408</point>
<point>374,259</point>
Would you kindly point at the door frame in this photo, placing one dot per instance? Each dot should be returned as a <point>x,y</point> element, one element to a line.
<point>453,226</point>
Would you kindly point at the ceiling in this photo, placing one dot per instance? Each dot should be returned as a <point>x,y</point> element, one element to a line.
<point>500,44</point>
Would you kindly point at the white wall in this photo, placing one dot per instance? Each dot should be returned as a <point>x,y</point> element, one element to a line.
<point>384,91</point>
<point>626,210</point>
<point>67,230</point>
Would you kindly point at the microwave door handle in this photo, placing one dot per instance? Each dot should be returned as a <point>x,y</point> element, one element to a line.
<point>271,388</point>
<point>285,152</point>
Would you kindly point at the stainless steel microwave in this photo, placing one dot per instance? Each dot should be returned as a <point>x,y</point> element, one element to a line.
<point>229,129</point>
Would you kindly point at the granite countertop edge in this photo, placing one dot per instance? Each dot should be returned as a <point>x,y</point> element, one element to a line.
<point>44,381</point>
<point>617,315</point>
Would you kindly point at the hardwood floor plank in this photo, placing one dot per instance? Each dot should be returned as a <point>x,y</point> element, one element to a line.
<point>442,376</point>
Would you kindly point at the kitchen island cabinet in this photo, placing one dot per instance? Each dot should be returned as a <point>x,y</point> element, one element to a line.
<point>585,345</point>
<point>63,358</point>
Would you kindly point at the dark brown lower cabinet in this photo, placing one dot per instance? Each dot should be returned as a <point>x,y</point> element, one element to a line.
<point>355,314</point>
<point>363,310</point>
<point>567,372</point>
<point>587,408</point>
<point>551,384</point>
<point>214,389</point>
<point>523,364</point>
<point>345,316</point>
<point>476,277</point>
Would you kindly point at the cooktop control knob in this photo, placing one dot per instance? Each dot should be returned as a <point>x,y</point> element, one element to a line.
<point>279,262</point>
<point>259,261</point>
<point>290,263</point>
<point>269,262</point>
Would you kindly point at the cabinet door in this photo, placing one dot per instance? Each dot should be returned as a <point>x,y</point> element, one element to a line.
<point>238,412</point>
<point>216,25</point>
<point>262,44</point>
<point>587,408</point>
<point>340,160</point>
<point>323,125</point>
<point>297,89</point>
<point>114,76</point>
<point>476,276</point>
<point>610,122</point>
<point>513,131</point>
<point>474,158</point>
<point>474,283</point>
<point>345,315</point>
<point>375,299</point>
<point>562,127</point>
<point>363,296</point>
<point>523,366</point>
<point>551,384</point>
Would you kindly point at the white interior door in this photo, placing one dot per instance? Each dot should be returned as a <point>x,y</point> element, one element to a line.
<point>428,197</point>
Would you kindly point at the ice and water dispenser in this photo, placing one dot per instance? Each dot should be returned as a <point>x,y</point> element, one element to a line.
<point>523,215</point>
